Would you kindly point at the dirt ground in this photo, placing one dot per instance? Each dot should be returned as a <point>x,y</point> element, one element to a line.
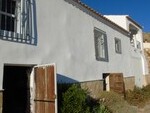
<point>146,109</point>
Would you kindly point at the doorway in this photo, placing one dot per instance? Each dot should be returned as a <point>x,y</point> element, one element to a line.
<point>16,95</point>
<point>106,81</point>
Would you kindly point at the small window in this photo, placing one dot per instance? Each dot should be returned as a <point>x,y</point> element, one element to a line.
<point>118,45</point>
<point>138,45</point>
<point>101,48</point>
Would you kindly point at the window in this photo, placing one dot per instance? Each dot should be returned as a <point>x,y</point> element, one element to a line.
<point>101,49</point>
<point>138,45</point>
<point>132,41</point>
<point>118,45</point>
<point>18,21</point>
<point>7,15</point>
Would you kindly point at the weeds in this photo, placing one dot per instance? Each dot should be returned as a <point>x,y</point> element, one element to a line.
<point>116,103</point>
<point>139,96</point>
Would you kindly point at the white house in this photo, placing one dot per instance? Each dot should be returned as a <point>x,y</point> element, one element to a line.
<point>137,49</point>
<point>82,43</point>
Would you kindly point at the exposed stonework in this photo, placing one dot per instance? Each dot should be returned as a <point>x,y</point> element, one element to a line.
<point>147,55</point>
<point>146,40</point>
<point>93,87</point>
<point>129,83</point>
<point>97,86</point>
<point>147,77</point>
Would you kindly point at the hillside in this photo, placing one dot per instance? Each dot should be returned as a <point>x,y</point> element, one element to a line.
<point>146,37</point>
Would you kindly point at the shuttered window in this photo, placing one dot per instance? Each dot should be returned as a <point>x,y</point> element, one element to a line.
<point>101,48</point>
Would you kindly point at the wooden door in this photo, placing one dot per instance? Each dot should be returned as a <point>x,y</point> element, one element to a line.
<point>45,89</point>
<point>116,82</point>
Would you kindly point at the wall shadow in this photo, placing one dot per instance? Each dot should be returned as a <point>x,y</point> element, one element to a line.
<point>64,79</point>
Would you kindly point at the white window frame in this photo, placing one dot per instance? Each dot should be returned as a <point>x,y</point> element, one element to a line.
<point>101,48</point>
<point>118,47</point>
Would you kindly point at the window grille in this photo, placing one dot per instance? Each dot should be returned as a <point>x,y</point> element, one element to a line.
<point>8,16</point>
<point>101,48</point>
<point>16,21</point>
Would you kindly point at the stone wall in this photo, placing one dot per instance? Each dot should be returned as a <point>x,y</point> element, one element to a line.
<point>129,83</point>
<point>147,55</point>
<point>96,87</point>
<point>93,87</point>
<point>147,77</point>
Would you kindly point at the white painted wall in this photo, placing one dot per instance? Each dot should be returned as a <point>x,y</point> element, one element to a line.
<point>123,21</point>
<point>66,37</point>
<point>119,19</point>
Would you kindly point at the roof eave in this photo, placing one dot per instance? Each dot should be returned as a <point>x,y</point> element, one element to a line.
<point>130,19</point>
<point>101,16</point>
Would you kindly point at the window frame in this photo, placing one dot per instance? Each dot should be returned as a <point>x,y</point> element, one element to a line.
<point>138,45</point>
<point>101,55</point>
<point>8,15</point>
<point>118,45</point>
<point>24,25</point>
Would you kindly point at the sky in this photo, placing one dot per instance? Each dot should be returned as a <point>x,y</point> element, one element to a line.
<point>138,10</point>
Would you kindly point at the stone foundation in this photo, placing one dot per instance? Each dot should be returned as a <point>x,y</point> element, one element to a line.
<point>147,78</point>
<point>129,83</point>
<point>147,55</point>
<point>97,86</point>
<point>93,87</point>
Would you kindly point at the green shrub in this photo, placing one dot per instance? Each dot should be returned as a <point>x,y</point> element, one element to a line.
<point>101,109</point>
<point>74,100</point>
<point>77,100</point>
<point>61,88</point>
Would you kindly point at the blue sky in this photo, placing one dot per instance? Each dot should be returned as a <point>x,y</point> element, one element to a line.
<point>138,10</point>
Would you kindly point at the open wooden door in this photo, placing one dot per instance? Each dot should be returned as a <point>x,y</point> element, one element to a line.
<point>116,82</point>
<point>45,89</point>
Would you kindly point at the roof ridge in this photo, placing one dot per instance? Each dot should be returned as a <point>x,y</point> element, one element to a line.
<point>97,13</point>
